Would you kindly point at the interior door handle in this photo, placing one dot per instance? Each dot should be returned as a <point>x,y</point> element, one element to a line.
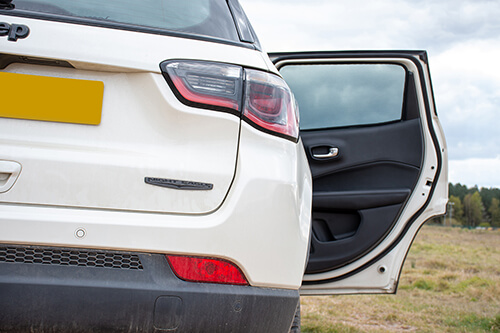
<point>9,171</point>
<point>332,152</point>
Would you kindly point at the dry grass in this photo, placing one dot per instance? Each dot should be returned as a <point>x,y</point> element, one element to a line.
<point>450,283</point>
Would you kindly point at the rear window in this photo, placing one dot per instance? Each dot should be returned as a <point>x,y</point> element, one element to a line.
<point>202,17</point>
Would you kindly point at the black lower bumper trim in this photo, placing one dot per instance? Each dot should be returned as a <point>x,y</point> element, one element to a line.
<point>44,298</point>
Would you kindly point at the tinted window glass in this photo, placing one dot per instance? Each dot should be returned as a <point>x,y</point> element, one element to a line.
<point>346,94</point>
<point>203,17</point>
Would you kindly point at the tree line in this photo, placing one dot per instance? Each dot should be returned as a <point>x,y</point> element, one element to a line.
<point>473,207</point>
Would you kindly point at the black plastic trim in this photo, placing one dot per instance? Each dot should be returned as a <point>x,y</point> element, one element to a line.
<point>121,26</point>
<point>410,55</point>
<point>40,255</point>
<point>410,103</point>
<point>351,126</point>
<point>358,200</point>
<point>7,59</point>
<point>407,54</point>
<point>45,298</point>
<point>241,22</point>
<point>238,13</point>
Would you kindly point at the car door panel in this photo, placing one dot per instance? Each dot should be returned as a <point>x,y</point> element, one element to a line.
<point>358,195</point>
<point>371,180</point>
<point>359,147</point>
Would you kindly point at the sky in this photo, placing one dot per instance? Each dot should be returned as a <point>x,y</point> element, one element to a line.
<point>462,38</point>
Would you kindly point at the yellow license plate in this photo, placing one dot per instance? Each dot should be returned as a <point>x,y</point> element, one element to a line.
<point>51,99</point>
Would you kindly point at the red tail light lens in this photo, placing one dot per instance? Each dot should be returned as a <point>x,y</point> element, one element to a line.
<point>209,270</point>
<point>207,85</point>
<point>266,102</point>
<point>270,105</point>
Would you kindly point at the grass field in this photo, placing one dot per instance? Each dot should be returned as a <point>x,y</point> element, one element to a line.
<point>450,283</point>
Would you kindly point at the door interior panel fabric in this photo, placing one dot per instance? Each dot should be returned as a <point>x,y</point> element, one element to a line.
<point>399,142</point>
<point>359,194</point>
<point>340,238</point>
<point>371,176</point>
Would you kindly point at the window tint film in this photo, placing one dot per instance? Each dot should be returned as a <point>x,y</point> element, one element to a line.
<point>202,17</point>
<point>339,95</point>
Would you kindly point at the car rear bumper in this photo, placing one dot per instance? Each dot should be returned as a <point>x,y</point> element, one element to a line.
<point>78,296</point>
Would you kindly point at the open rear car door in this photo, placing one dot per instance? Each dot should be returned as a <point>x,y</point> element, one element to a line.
<point>378,158</point>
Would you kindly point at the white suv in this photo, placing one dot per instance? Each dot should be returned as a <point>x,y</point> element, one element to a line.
<point>152,175</point>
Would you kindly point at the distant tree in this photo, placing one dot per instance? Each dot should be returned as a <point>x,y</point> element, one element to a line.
<point>458,190</point>
<point>487,194</point>
<point>494,211</point>
<point>458,209</point>
<point>473,212</point>
<point>473,208</point>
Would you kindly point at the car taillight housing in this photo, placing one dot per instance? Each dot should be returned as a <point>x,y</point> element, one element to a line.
<point>270,105</point>
<point>206,85</point>
<point>262,99</point>
<point>210,270</point>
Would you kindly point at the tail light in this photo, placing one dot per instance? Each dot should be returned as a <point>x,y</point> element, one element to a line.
<point>270,105</point>
<point>262,99</point>
<point>197,269</point>
<point>205,85</point>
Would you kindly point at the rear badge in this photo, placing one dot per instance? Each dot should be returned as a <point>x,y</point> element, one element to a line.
<point>179,184</point>
<point>14,31</point>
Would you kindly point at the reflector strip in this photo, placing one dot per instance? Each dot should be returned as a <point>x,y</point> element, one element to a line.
<point>51,99</point>
<point>210,270</point>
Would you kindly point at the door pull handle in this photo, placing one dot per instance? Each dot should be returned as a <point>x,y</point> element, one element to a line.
<point>332,152</point>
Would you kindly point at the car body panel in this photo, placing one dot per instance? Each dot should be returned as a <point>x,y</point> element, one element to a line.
<point>266,211</point>
<point>144,130</point>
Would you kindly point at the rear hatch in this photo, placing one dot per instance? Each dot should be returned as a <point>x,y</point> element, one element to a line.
<point>91,121</point>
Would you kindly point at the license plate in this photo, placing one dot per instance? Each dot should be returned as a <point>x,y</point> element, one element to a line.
<point>51,98</point>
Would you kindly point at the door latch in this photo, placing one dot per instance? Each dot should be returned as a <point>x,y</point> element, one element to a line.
<point>330,152</point>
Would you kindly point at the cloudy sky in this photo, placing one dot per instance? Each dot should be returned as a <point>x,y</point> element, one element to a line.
<point>462,38</point>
